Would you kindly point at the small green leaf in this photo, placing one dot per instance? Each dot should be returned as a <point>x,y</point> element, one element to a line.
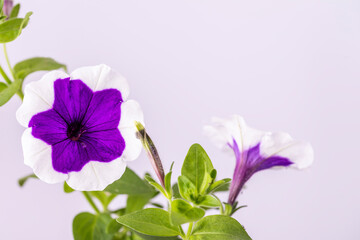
<point>11,29</point>
<point>1,5</point>
<point>105,198</point>
<point>221,185</point>
<point>152,182</point>
<point>87,226</point>
<point>175,191</point>
<point>137,202</point>
<point>15,11</point>
<point>186,188</point>
<point>150,221</point>
<point>67,188</point>
<point>168,182</point>
<point>208,201</point>
<point>131,184</point>
<point>197,167</point>
<point>23,180</point>
<point>182,212</point>
<point>28,66</point>
<point>7,93</point>
<point>113,227</point>
<point>2,86</point>
<point>218,227</point>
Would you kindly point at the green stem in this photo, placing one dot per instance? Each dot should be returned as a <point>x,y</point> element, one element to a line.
<point>89,199</point>
<point>8,61</point>
<point>2,72</point>
<point>189,230</point>
<point>182,233</point>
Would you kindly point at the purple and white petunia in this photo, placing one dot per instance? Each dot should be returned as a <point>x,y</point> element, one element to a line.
<point>256,150</point>
<point>80,127</point>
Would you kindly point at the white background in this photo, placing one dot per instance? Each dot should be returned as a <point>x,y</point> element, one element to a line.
<point>283,65</point>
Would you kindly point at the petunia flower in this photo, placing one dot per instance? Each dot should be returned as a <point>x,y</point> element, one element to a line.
<point>7,7</point>
<point>80,127</point>
<point>256,150</point>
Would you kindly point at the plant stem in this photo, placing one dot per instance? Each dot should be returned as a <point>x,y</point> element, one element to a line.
<point>182,233</point>
<point>189,230</point>
<point>89,199</point>
<point>2,72</point>
<point>8,61</point>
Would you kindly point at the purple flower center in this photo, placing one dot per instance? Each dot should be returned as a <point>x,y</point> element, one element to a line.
<point>81,126</point>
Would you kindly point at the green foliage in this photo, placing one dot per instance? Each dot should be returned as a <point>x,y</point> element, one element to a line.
<point>137,202</point>
<point>218,227</point>
<point>221,185</point>
<point>208,201</point>
<point>15,11</point>
<point>182,212</point>
<point>87,226</point>
<point>67,188</point>
<point>23,180</point>
<point>186,188</point>
<point>130,184</point>
<point>152,182</point>
<point>7,93</point>
<point>2,86</point>
<point>11,29</point>
<point>31,65</point>
<point>150,221</point>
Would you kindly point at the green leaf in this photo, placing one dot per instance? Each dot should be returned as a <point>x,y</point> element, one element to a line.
<point>15,11</point>
<point>221,185</point>
<point>168,180</point>
<point>182,212</point>
<point>28,66</point>
<point>137,202</point>
<point>175,191</point>
<point>130,184</point>
<point>152,182</point>
<point>197,167</point>
<point>7,93</point>
<point>186,188</point>
<point>150,221</point>
<point>1,5</point>
<point>208,201</point>
<point>87,226</point>
<point>2,86</point>
<point>113,227</point>
<point>138,236</point>
<point>23,180</point>
<point>67,188</point>
<point>218,227</point>
<point>11,29</point>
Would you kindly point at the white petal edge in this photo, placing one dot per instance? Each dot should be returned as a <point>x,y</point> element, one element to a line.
<point>130,112</point>
<point>102,77</point>
<point>224,131</point>
<point>283,145</point>
<point>37,155</point>
<point>38,97</point>
<point>96,176</point>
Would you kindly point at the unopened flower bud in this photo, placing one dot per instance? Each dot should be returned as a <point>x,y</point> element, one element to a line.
<point>8,6</point>
<point>151,152</point>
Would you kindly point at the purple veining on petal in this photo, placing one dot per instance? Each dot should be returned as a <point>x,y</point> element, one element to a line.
<point>81,127</point>
<point>249,162</point>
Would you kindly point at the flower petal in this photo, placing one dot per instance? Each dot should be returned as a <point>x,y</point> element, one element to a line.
<point>96,176</point>
<point>37,155</point>
<point>283,145</point>
<point>131,112</point>
<point>102,77</point>
<point>39,97</point>
<point>225,131</point>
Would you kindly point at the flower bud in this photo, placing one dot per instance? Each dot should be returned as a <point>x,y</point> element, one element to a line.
<point>151,152</point>
<point>8,6</point>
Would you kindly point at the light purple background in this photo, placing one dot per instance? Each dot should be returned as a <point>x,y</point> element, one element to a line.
<point>283,65</point>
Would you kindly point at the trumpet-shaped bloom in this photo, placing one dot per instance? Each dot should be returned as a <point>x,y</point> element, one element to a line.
<point>80,127</point>
<point>256,150</point>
